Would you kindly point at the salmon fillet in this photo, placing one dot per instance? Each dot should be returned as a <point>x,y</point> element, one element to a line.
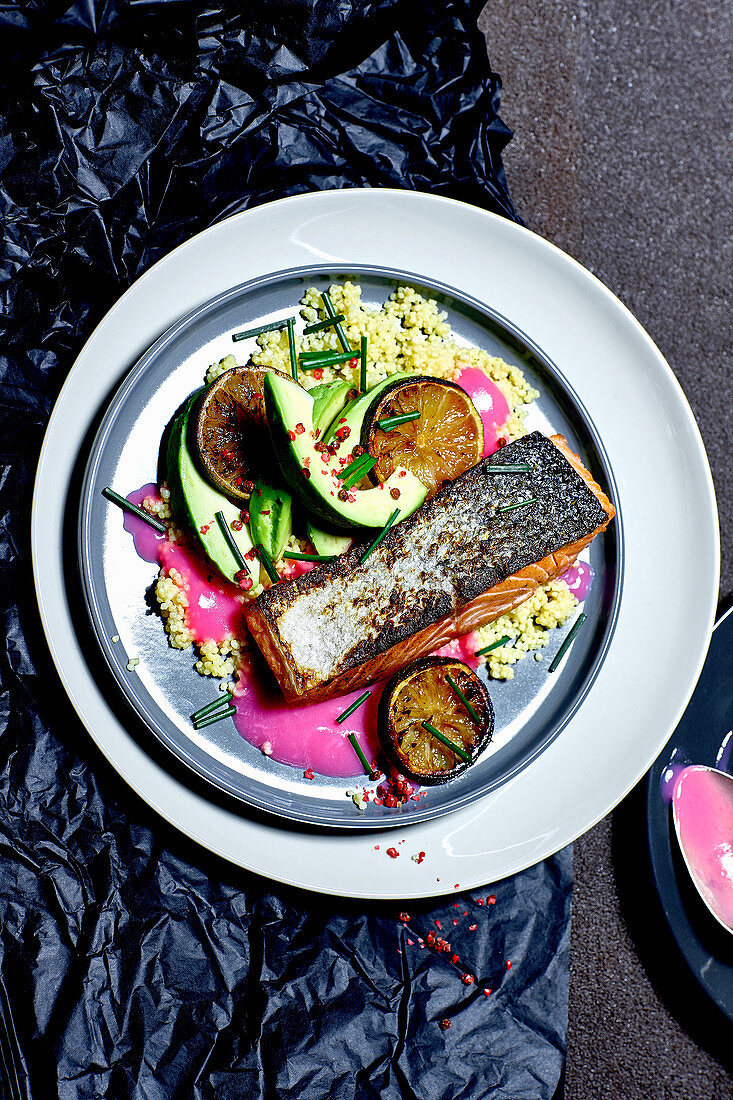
<point>464,558</point>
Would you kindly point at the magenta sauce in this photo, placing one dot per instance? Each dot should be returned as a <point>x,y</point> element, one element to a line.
<point>490,402</point>
<point>704,811</point>
<point>215,607</point>
<point>579,579</point>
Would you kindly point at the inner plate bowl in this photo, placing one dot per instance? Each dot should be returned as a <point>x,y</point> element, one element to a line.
<point>163,688</point>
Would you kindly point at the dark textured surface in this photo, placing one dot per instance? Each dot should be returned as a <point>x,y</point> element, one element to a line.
<point>621,157</point>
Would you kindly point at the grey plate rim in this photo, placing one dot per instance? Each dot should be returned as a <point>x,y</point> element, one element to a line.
<point>221,783</point>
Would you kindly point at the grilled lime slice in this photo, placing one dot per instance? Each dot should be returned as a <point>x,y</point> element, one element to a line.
<point>444,441</point>
<point>231,430</point>
<point>420,693</point>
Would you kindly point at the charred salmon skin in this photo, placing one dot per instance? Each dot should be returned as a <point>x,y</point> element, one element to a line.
<point>478,548</point>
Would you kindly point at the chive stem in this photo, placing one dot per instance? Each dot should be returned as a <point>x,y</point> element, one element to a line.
<point>291,348</point>
<point>508,469</point>
<point>326,359</point>
<point>273,326</point>
<point>390,422</point>
<point>363,364</point>
<point>469,706</point>
<point>519,504</point>
<point>355,464</point>
<point>308,557</point>
<point>318,326</point>
<point>568,641</point>
<point>330,310</point>
<point>128,506</point>
<point>216,716</point>
<point>268,563</point>
<point>359,752</point>
<point>380,536</point>
<point>358,474</point>
<point>229,539</point>
<point>354,706</point>
<point>447,741</point>
<point>221,702</point>
<point>494,645</point>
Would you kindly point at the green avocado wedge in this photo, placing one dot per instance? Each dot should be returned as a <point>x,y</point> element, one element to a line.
<point>327,542</point>
<point>328,401</point>
<point>197,501</point>
<point>313,474</point>
<point>271,517</point>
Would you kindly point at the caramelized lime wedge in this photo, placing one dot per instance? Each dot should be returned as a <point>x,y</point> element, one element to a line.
<point>231,430</point>
<point>422,693</point>
<point>444,441</point>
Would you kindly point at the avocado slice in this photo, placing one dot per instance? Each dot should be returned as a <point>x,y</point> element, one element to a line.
<point>327,542</point>
<point>271,517</point>
<point>196,500</point>
<point>313,474</point>
<point>328,401</point>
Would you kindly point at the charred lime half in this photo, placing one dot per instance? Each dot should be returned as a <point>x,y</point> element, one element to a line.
<point>420,693</point>
<point>231,430</point>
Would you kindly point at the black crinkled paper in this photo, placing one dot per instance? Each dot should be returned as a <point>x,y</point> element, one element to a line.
<point>132,963</point>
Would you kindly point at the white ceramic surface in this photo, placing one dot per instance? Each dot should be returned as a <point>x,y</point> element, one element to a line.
<point>666,494</point>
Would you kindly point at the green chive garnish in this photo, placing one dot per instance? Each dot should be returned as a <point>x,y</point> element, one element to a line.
<point>291,347</point>
<point>325,359</point>
<point>391,422</point>
<point>267,562</point>
<point>355,464</point>
<point>307,356</point>
<point>363,364</point>
<point>133,509</point>
<point>221,702</point>
<point>508,469</point>
<point>519,504</point>
<point>494,645</point>
<point>447,742</point>
<point>359,473</point>
<point>271,327</point>
<point>380,536</point>
<point>358,750</point>
<point>308,557</point>
<point>229,539</point>
<point>326,297</point>
<point>317,326</point>
<point>354,706</point>
<point>568,641</point>
<point>469,707</point>
<point>216,716</point>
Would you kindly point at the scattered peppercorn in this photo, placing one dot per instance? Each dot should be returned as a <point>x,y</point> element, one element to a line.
<point>444,1025</point>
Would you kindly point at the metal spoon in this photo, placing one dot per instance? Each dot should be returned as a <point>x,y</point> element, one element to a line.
<point>702,809</point>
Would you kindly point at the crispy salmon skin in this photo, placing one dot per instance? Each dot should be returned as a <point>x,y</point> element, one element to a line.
<point>469,554</point>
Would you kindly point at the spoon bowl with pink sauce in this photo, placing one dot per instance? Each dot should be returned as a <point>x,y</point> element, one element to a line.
<point>702,809</point>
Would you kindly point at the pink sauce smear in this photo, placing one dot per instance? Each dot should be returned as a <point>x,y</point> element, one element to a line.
<point>579,579</point>
<point>703,808</point>
<point>491,403</point>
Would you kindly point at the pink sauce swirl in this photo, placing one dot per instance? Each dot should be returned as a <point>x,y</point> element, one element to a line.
<point>490,402</point>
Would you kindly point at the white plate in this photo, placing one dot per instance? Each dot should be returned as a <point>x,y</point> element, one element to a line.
<point>666,495</point>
